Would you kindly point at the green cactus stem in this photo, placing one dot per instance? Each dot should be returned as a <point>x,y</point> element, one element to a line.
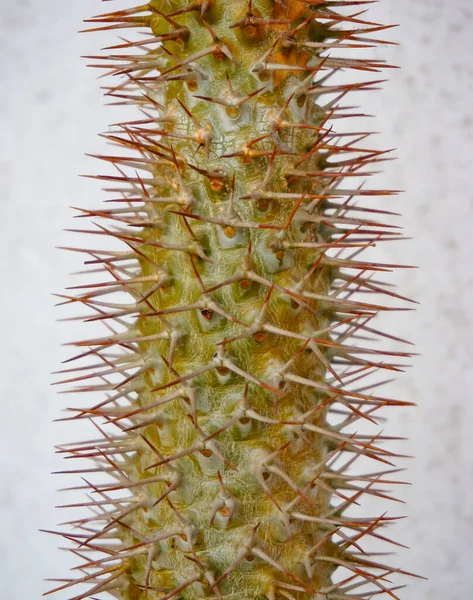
<point>234,374</point>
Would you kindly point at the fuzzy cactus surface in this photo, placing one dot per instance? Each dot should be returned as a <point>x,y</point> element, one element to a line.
<point>237,371</point>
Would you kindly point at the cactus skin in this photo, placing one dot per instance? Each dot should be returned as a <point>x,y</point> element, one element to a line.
<point>237,345</point>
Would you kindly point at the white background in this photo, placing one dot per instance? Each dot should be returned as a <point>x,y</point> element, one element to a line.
<point>50,113</point>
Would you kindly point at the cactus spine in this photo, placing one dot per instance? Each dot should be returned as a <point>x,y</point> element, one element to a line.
<point>233,372</point>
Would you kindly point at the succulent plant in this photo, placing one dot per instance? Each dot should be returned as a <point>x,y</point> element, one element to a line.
<point>236,367</point>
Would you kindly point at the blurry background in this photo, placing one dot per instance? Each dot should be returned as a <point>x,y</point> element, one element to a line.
<point>50,113</point>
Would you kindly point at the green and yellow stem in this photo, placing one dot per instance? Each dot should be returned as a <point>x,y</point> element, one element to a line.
<point>234,370</point>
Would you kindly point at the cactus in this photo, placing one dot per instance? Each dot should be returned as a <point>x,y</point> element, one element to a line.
<point>235,369</point>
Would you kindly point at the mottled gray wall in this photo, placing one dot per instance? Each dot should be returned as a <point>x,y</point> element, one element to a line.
<point>50,112</point>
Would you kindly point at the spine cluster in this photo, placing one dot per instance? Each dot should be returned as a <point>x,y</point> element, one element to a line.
<point>234,377</point>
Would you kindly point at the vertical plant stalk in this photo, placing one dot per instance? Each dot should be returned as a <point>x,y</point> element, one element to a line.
<point>238,375</point>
